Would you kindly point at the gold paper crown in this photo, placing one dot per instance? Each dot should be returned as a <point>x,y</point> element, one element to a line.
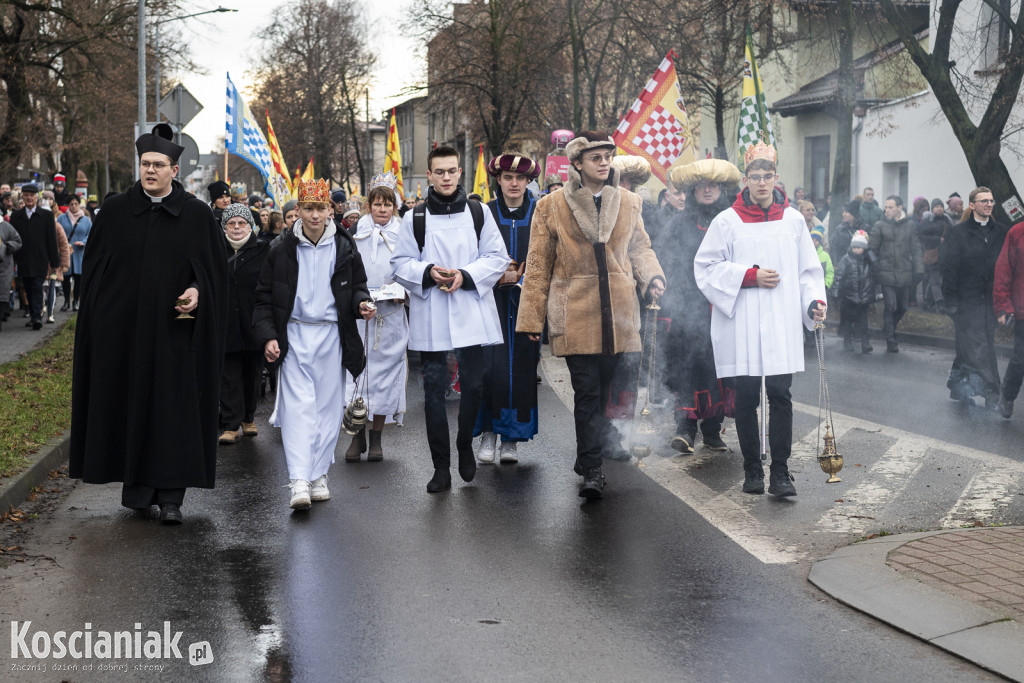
<point>315,191</point>
<point>760,150</point>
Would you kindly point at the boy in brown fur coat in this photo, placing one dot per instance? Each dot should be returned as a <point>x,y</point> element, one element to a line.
<point>589,295</point>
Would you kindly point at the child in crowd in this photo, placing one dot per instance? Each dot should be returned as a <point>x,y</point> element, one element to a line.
<point>855,289</point>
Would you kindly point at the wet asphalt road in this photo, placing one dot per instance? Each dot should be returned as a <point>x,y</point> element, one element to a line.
<point>511,577</point>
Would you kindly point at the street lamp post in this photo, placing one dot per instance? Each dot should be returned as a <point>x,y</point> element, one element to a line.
<point>142,64</point>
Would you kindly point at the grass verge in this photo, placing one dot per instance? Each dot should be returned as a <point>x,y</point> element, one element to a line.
<point>35,399</point>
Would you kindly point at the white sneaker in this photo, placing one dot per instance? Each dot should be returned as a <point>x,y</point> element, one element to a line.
<point>508,452</point>
<point>487,441</point>
<point>300,494</point>
<point>318,490</point>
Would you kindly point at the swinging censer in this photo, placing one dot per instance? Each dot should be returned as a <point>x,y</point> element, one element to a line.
<point>830,460</point>
<point>358,412</point>
<point>643,436</point>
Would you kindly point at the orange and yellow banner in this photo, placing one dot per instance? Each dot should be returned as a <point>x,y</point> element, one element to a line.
<point>393,158</point>
<point>276,157</point>
<point>308,174</point>
<point>481,183</point>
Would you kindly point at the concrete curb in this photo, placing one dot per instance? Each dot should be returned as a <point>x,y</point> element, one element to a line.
<point>15,489</point>
<point>859,577</point>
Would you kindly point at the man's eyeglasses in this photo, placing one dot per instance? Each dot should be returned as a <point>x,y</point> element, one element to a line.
<point>984,201</point>
<point>758,179</point>
<point>155,165</point>
<point>442,172</point>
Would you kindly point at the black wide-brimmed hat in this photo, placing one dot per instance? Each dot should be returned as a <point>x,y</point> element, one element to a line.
<point>160,140</point>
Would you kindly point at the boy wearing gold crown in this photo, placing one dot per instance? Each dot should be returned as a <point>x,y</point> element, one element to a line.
<point>310,293</point>
<point>759,269</point>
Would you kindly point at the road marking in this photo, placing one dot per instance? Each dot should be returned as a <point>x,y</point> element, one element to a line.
<point>990,490</point>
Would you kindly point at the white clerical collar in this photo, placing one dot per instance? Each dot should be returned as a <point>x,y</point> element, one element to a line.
<point>157,200</point>
<point>982,223</point>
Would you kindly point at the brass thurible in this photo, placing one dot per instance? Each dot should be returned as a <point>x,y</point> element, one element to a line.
<point>830,460</point>
<point>183,316</point>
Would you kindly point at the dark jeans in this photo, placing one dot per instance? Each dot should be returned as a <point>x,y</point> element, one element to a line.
<point>855,321</point>
<point>896,299</point>
<point>70,291</point>
<point>239,388</point>
<point>140,496</point>
<point>436,379</point>
<point>591,377</point>
<point>34,291</point>
<point>1015,370</point>
<point>780,419</point>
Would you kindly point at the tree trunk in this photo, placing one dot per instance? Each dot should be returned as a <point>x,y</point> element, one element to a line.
<point>844,115</point>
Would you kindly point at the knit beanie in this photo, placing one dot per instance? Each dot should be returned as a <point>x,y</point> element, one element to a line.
<point>236,210</point>
<point>288,206</point>
<point>818,233</point>
<point>859,239</point>
<point>938,202</point>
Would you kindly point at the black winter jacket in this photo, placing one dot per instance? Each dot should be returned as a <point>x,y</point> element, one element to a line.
<point>244,268</point>
<point>855,279</point>
<point>932,229</point>
<point>896,251</point>
<point>969,262</point>
<point>275,296</point>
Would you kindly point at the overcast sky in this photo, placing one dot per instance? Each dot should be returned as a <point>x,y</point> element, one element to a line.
<point>221,51</point>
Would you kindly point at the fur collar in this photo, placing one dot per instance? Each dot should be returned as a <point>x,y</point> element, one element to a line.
<point>597,228</point>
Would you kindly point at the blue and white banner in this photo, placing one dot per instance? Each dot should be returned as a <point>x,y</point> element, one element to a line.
<point>245,139</point>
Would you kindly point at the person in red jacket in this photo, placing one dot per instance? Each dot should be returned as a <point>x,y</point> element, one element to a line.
<point>1008,302</point>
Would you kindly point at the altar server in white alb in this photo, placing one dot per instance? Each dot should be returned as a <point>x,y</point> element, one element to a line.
<point>310,292</point>
<point>382,384</point>
<point>759,269</point>
<point>449,256</point>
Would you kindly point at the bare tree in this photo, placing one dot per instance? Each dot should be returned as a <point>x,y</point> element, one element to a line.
<point>958,93</point>
<point>313,72</point>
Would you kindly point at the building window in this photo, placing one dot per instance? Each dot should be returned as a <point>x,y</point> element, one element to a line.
<point>995,33</point>
<point>896,180</point>
<point>817,165</point>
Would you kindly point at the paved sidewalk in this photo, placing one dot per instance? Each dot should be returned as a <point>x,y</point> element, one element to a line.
<point>960,590</point>
<point>16,340</point>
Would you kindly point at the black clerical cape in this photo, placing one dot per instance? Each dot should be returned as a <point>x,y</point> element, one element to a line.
<point>146,383</point>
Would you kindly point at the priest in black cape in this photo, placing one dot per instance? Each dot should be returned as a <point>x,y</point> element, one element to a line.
<point>509,405</point>
<point>147,376</point>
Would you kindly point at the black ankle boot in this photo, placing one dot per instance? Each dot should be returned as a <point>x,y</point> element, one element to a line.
<point>467,463</point>
<point>441,481</point>
<point>780,484</point>
<point>375,452</point>
<point>753,478</point>
<point>686,436</point>
<point>357,447</point>
<point>593,484</point>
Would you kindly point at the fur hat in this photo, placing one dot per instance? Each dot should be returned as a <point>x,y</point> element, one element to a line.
<point>710,170</point>
<point>859,239</point>
<point>588,139</point>
<point>237,210</point>
<point>633,169</point>
<point>553,179</point>
<point>515,163</point>
<point>218,189</point>
<point>818,233</point>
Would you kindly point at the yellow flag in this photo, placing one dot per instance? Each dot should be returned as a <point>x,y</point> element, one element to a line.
<point>308,173</point>
<point>393,158</point>
<point>277,158</point>
<point>481,185</point>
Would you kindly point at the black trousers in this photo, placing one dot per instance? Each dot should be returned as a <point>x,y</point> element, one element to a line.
<point>591,377</point>
<point>66,286</point>
<point>139,496</point>
<point>854,321</point>
<point>436,378</point>
<point>239,388</point>
<point>780,419</point>
<point>896,301</point>
<point>34,291</point>
<point>1015,370</point>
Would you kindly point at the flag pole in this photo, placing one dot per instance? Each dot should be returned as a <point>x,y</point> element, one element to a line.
<point>227,178</point>
<point>757,85</point>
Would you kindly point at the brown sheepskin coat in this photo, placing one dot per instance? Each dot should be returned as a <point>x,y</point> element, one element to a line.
<point>583,272</point>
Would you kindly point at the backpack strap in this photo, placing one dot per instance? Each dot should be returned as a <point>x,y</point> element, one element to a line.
<point>419,221</point>
<point>419,224</point>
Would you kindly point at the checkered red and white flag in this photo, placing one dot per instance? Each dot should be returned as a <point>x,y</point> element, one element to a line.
<point>656,127</point>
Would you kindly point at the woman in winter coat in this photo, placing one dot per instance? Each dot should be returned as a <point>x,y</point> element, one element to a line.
<point>55,275</point>
<point>243,357</point>
<point>933,229</point>
<point>76,224</point>
<point>10,242</point>
<point>386,343</point>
